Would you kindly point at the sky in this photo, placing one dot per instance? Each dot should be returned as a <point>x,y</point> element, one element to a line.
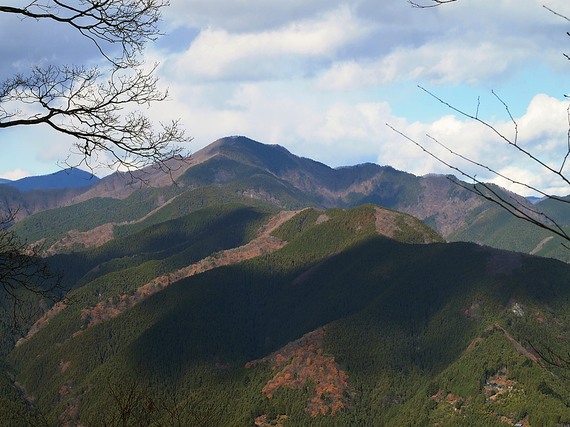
<point>325,78</point>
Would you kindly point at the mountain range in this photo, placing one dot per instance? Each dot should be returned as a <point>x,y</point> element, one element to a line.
<point>261,288</point>
<point>272,174</point>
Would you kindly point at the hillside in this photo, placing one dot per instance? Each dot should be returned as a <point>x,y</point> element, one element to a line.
<point>264,288</point>
<point>495,227</point>
<point>238,315</point>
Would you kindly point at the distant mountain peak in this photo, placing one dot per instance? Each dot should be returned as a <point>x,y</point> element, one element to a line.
<point>66,178</point>
<point>243,142</point>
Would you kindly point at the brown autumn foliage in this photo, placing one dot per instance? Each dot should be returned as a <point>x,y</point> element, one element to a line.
<point>97,236</point>
<point>43,321</point>
<point>302,360</point>
<point>86,239</point>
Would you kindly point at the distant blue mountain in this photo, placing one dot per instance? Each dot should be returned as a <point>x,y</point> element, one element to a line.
<point>67,178</point>
<point>534,200</point>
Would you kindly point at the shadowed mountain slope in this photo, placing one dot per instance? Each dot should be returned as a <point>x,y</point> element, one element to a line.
<point>349,321</point>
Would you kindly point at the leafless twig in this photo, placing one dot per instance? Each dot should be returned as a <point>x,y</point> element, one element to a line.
<point>127,23</point>
<point>24,272</point>
<point>489,192</point>
<point>435,3</point>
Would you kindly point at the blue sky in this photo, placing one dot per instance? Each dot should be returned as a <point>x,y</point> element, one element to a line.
<point>323,77</point>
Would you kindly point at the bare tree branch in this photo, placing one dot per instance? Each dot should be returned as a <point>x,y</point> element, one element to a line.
<point>126,23</point>
<point>101,109</point>
<point>552,358</point>
<point>435,3</point>
<point>77,102</point>
<point>23,269</point>
<point>487,191</point>
<point>136,404</point>
<point>558,172</point>
<point>511,141</point>
<point>511,204</point>
<point>563,17</point>
<point>556,13</point>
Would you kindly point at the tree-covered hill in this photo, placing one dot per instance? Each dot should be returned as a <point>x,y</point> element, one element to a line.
<point>495,227</point>
<point>263,288</point>
<point>347,317</point>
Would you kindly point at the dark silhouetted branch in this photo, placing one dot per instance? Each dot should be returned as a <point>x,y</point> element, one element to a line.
<point>107,23</point>
<point>78,102</point>
<point>434,3</point>
<point>101,109</point>
<point>24,272</point>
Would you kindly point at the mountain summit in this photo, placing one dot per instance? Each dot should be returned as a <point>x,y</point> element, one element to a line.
<point>434,198</point>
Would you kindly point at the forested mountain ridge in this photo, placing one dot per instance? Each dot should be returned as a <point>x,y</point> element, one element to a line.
<point>162,248</point>
<point>238,167</point>
<point>346,320</point>
<point>387,223</point>
<point>30,195</point>
<point>229,160</point>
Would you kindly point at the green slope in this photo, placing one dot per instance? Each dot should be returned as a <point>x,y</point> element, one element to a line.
<point>497,228</point>
<point>53,224</point>
<point>146,207</point>
<point>126,263</point>
<point>559,211</point>
<point>398,318</point>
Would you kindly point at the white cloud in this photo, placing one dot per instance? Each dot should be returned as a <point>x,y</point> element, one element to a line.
<point>350,75</point>
<point>450,62</point>
<point>219,54</point>
<point>319,76</point>
<point>354,122</point>
<point>438,62</point>
<point>244,15</point>
<point>15,174</point>
<point>469,43</point>
<point>546,118</point>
